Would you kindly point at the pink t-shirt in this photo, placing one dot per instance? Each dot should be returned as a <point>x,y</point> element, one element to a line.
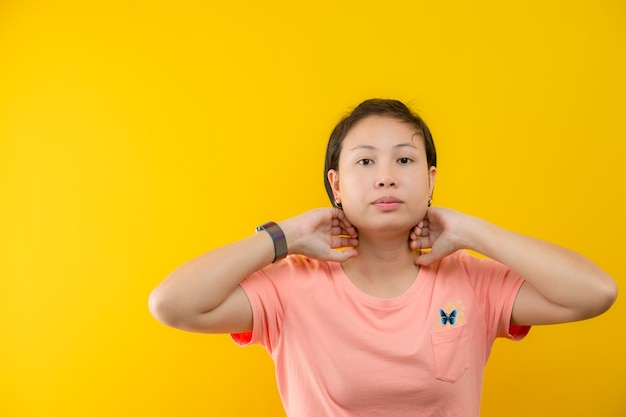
<point>340,352</point>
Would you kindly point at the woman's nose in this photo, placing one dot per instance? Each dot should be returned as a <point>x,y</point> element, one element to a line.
<point>385,182</point>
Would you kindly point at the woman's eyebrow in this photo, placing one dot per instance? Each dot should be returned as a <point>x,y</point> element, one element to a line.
<point>370,147</point>
<point>403,145</point>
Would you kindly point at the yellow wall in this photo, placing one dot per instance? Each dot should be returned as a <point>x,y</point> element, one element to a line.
<point>136,136</point>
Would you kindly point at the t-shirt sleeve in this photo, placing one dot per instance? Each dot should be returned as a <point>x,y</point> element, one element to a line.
<point>496,286</point>
<point>268,290</point>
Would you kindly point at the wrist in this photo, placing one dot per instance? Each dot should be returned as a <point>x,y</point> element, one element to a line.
<point>278,238</point>
<point>476,234</point>
<point>296,235</point>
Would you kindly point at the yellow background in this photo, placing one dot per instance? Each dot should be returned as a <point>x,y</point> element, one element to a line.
<point>136,135</point>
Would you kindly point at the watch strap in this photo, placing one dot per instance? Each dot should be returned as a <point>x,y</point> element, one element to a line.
<point>278,237</point>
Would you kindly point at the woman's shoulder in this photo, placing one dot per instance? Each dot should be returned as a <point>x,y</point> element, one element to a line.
<point>301,265</point>
<point>470,265</point>
<point>462,260</point>
<point>452,260</point>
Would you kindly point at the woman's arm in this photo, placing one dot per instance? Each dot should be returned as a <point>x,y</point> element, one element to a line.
<point>561,285</point>
<point>203,295</point>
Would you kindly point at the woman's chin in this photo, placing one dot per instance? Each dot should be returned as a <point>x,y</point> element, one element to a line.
<point>387,228</point>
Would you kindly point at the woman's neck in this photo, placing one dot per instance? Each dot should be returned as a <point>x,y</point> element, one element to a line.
<point>384,267</point>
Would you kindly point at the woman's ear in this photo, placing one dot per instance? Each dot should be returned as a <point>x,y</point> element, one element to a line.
<point>333,180</point>
<point>432,175</point>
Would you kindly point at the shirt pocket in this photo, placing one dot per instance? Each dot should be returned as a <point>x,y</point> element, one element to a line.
<point>450,352</point>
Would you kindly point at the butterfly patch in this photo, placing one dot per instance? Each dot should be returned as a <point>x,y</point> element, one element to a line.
<point>447,318</point>
<point>451,314</point>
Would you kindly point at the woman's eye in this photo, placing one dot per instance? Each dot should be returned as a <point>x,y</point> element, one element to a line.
<point>365,161</point>
<point>404,160</point>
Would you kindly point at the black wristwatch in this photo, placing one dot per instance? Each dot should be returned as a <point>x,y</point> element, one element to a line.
<point>280,243</point>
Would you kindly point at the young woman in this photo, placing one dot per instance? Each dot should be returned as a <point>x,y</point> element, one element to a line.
<point>374,307</point>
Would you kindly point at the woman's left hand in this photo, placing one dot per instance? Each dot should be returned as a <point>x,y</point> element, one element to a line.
<point>560,285</point>
<point>439,231</point>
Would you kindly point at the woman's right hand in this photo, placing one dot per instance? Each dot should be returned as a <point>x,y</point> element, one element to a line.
<point>324,234</point>
<point>204,295</point>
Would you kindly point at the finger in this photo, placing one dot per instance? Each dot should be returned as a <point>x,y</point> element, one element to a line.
<point>343,230</point>
<point>340,231</point>
<point>421,243</point>
<point>337,213</point>
<point>343,242</point>
<point>342,255</point>
<point>336,230</point>
<point>348,226</point>
<point>336,223</point>
<point>341,216</point>
<point>425,258</point>
<point>418,231</point>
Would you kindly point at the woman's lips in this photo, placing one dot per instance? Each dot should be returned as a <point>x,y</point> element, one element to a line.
<point>387,203</point>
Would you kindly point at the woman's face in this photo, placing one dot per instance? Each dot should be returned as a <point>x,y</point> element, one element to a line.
<point>383,181</point>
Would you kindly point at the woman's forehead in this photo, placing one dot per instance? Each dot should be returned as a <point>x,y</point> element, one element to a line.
<point>382,131</point>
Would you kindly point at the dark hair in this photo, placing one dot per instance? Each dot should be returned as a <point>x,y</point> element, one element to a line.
<point>379,107</point>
